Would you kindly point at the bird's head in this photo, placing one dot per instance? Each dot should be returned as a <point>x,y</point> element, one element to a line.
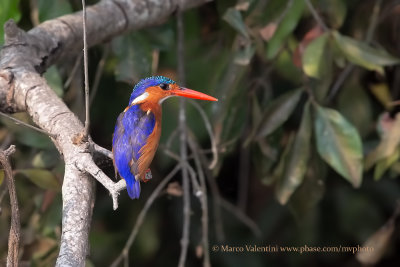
<point>158,88</point>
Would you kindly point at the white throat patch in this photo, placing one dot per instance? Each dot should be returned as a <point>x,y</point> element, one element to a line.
<point>140,98</point>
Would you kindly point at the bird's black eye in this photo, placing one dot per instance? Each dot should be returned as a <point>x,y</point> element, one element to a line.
<point>164,86</point>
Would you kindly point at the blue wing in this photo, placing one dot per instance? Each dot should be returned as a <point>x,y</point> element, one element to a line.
<point>131,132</point>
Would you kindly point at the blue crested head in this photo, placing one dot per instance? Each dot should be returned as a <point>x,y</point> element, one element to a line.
<point>141,86</point>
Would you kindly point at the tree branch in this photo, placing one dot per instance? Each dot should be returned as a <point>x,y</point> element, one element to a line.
<point>86,164</point>
<point>203,199</point>
<point>25,56</point>
<point>207,124</point>
<point>86,74</point>
<point>183,138</point>
<point>316,16</point>
<point>15,229</point>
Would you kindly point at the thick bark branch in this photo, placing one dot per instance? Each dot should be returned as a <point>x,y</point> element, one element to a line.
<point>25,56</point>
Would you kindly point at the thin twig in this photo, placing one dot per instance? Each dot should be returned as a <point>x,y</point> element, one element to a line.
<point>17,121</point>
<point>244,162</point>
<point>241,216</point>
<point>73,71</point>
<point>216,197</point>
<point>15,229</point>
<point>99,149</point>
<point>316,16</point>
<point>85,67</point>
<point>196,187</point>
<point>203,199</point>
<point>171,138</point>
<point>142,215</point>
<point>373,22</point>
<point>34,12</point>
<point>350,67</point>
<point>183,138</point>
<point>285,11</point>
<point>207,123</point>
<point>99,72</point>
<point>154,61</point>
<point>339,81</point>
<point>243,179</point>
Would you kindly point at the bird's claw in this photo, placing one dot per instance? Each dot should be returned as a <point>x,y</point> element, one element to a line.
<point>147,176</point>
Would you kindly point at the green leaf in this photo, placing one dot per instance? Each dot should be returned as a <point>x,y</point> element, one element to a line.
<point>278,112</point>
<point>335,11</point>
<point>384,164</point>
<point>285,28</point>
<point>50,9</point>
<point>161,38</point>
<point>245,54</point>
<point>339,144</point>
<point>354,103</point>
<point>42,178</point>
<point>45,159</point>
<point>388,144</point>
<point>382,93</point>
<point>364,55</point>
<point>285,67</point>
<point>53,215</point>
<point>234,18</point>
<point>280,168</point>
<point>9,10</point>
<point>1,176</point>
<point>296,164</point>
<point>54,80</point>
<point>314,59</point>
<point>321,87</point>
<point>133,53</point>
<point>27,136</point>
<point>33,139</point>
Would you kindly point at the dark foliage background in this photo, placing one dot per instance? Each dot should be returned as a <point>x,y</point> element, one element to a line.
<point>306,128</point>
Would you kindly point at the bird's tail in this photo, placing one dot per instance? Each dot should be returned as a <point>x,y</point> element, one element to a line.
<point>133,188</point>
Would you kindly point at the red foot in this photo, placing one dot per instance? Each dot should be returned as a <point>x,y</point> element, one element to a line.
<point>147,176</point>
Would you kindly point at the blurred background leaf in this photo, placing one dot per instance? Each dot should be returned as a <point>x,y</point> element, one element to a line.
<point>278,112</point>
<point>133,56</point>
<point>314,58</point>
<point>50,9</point>
<point>42,178</point>
<point>283,150</point>
<point>9,10</point>
<point>234,18</point>
<point>297,162</point>
<point>291,17</point>
<point>364,55</point>
<point>339,144</point>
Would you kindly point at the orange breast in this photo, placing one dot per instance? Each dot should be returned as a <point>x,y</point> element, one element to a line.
<point>148,151</point>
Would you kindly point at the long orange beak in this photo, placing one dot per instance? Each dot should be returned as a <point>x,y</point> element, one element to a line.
<point>191,94</point>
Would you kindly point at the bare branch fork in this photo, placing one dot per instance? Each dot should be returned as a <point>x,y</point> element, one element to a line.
<point>26,55</point>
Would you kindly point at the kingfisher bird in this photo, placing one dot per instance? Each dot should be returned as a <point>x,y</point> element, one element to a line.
<point>138,129</point>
